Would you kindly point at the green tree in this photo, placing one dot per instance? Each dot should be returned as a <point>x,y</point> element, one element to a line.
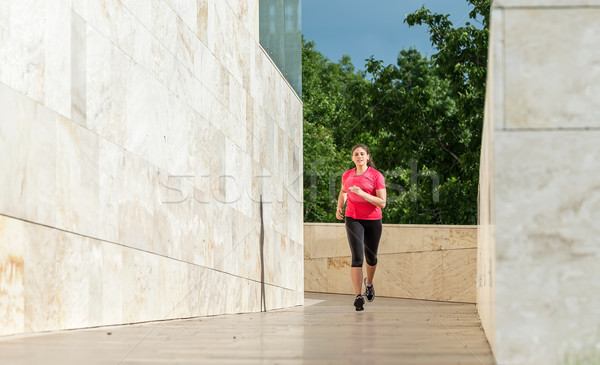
<point>417,148</point>
<point>329,94</point>
<point>422,119</point>
<point>461,60</point>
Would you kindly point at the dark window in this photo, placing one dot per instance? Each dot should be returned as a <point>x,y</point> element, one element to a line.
<point>281,37</point>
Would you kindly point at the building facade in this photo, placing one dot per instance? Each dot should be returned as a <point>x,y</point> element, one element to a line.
<point>538,270</point>
<point>151,159</point>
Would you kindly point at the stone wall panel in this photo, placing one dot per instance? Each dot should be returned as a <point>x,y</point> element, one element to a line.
<point>135,144</point>
<point>445,269</point>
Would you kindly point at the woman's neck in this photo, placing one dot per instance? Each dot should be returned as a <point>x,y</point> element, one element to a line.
<point>361,170</point>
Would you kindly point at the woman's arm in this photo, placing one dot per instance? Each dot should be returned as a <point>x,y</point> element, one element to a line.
<point>377,200</point>
<point>339,213</point>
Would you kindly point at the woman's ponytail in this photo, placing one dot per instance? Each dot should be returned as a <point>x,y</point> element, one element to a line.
<point>370,163</point>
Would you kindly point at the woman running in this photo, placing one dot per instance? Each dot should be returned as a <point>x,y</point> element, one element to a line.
<point>363,189</point>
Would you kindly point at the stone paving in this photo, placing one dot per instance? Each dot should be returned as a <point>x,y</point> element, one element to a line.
<point>326,330</point>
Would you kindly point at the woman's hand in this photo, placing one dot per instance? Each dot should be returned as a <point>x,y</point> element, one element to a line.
<point>358,191</point>
<point>377,200</point>
<point>339,213</point>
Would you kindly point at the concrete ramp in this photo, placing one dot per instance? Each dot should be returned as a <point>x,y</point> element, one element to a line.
<point>326,330</point>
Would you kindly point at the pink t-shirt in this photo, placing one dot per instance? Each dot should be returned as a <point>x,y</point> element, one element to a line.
<point>369,181</point>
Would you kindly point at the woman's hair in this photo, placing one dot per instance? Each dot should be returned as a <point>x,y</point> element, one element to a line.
<point>370,162</point>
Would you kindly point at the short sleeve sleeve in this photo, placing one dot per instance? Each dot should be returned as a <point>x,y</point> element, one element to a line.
<point>379,181</point>
<point>345,177</point>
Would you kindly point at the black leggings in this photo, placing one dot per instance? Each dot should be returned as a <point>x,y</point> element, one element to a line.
<point>363,236</point>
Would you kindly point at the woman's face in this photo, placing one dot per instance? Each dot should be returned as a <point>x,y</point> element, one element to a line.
<point>360,157</point>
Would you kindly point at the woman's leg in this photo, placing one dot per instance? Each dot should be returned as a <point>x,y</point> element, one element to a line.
<point>370,273</point>
<point>372,236</point>
<point>355,233</point>
<point>356,273</point>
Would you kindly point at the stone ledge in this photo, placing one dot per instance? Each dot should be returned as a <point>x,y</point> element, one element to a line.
<point>417,262</point>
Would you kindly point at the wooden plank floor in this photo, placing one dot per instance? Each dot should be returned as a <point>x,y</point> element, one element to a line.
<point>326,330</point>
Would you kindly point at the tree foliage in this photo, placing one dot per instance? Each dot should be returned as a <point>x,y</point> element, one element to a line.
<point>330,104</point>
<point>422,119</point>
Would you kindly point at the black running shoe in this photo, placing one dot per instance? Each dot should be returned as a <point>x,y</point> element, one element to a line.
<point>359,303</point>
<point>369,292</point>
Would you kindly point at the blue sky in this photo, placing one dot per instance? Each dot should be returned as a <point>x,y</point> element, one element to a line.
<point>361,28</point>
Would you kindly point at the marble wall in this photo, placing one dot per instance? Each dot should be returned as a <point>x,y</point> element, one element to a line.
<point>147,150</point>
<point>414,261</point>
<point>538,287</point>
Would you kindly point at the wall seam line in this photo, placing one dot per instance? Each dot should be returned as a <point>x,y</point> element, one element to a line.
<point>575,129</point>
<point>138,249</point>
<point>391,253</point>
<point>544,7</point>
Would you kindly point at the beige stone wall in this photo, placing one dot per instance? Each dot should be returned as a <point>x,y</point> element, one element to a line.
<point>538,275</point>
<point>414,261</point>
<point>486,253</point>
<point>136,141</point>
